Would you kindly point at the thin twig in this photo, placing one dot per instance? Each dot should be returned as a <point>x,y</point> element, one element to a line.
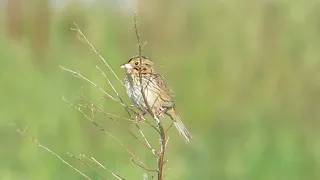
<point>79,75</point>
<point>131,133</point>
<point>142,166</point>
<point>94,50</point>
<point>106,132</point>
<point>103,167</point>
<point>145,43</point>
<point>167,142</point>
<point>169,127</point>
<point>86,79</point>
<point>23,133</point>
<point>114,89</point>
<point>154,152</point>
<point>98,109</point>
<point>165,174</point>
<point>140,75</point>
<point>145,177</point>
<point>86,164</point>
<point>117,122</point>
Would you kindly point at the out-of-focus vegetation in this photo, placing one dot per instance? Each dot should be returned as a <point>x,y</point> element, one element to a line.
<point>245,74</point>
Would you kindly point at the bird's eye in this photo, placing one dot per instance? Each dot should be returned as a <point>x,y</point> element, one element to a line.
<point>136,63</point>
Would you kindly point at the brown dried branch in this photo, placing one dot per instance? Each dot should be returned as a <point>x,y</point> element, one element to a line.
<point>23,134</point>
<point>162,132</point>
<point>163,143</point>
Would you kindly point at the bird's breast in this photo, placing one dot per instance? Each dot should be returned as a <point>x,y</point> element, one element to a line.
<point>134,89</point>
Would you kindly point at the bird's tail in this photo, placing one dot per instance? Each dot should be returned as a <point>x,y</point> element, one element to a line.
<point>179,124</point>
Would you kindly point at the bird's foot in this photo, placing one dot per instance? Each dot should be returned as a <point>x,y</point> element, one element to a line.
<point>140,116</point>
<point>160,111</point>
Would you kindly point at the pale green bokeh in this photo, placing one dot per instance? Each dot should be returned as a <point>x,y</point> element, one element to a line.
<point>245,75</point>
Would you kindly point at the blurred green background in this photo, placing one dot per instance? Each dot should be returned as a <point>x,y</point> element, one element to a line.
<point>245,74</point>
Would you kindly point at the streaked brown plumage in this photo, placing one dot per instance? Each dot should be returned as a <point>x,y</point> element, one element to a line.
<point>157,94</point>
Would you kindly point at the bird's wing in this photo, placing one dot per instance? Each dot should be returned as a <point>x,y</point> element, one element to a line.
<point>165,93</point>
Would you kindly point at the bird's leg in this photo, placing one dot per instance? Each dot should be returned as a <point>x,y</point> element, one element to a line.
<point>140,115</point>
<point>160,111</point>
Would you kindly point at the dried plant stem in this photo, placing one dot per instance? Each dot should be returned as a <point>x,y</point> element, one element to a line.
<point>142,166</point>
<point>159,128</point>
<point>86,164</point>
<point>114,89</point>
<point>163,143</point>
<point>119,100</point>
<point>79,75</point>
<point>154,152</point>
<point>83,37</point>
<point>106,133</point>
<point>104,168</point>
<point>162,132</point>
<point>138,127</point>
<point>96,108</point>
<point>23,133</point>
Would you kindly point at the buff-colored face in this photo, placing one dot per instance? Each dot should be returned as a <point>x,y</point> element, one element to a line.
<point>133,65</point>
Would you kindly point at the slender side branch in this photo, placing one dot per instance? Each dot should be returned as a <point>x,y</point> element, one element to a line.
<point>114,89</point>
<point>96,108</point>
<point>79,75</point>
<point>23,134</point>
<point>103,167</point>
<point>106,132</point>
<point>86,164</point>
<point>94,50</point>
<point>142,166</point>
<point>138,127</point>
<point>154,152</point>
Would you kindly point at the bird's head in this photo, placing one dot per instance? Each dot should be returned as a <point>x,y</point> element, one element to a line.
<point>137,64</point>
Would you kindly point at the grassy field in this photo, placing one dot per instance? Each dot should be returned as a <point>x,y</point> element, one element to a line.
<point>245,75</point>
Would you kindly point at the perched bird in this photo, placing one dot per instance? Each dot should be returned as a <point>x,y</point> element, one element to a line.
<point>141,76</point>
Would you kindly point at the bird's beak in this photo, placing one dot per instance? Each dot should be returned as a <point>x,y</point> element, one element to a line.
<point>126,66</point>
